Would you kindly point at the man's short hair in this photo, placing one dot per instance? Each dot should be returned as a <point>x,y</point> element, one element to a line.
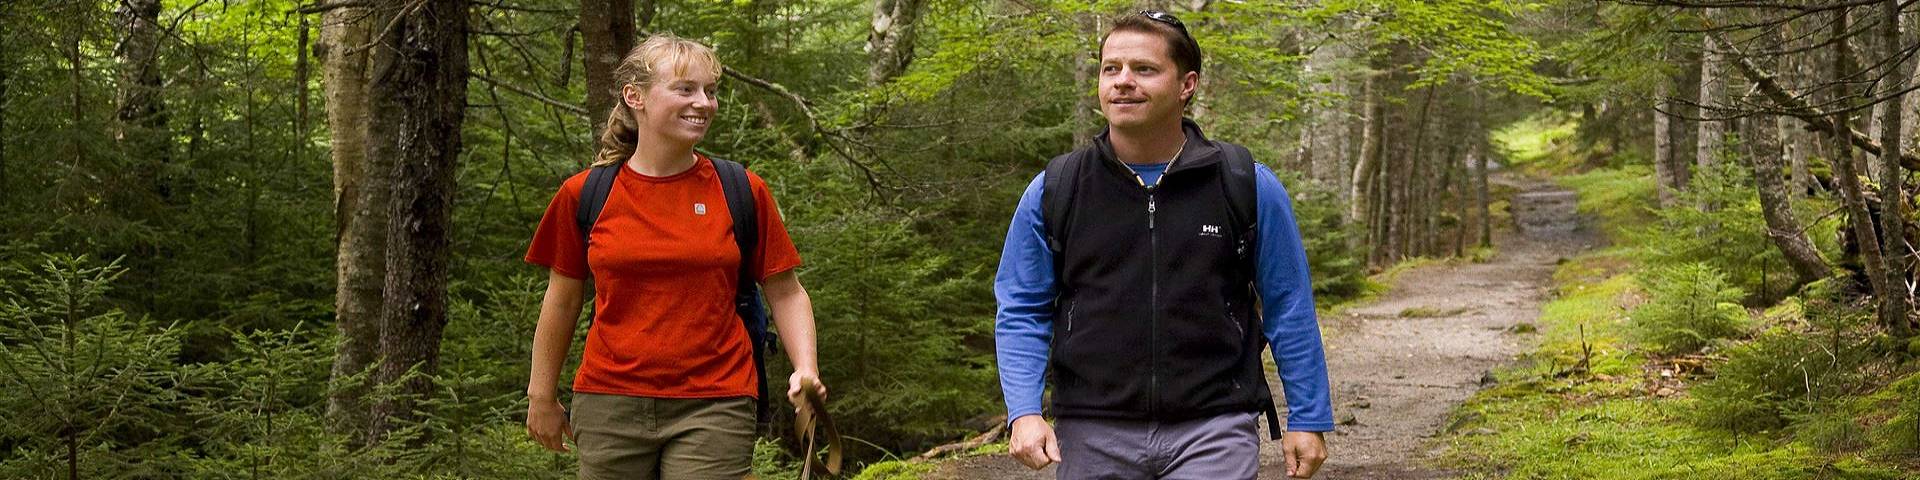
<point>1185,50</point>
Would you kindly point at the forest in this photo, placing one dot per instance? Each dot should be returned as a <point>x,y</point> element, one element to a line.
<point>284,238</point>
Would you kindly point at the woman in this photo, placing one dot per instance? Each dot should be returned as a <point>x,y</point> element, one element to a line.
<point>665,388</point>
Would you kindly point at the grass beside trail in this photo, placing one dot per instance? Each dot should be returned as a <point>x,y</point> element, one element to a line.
<point>1549,419</point>
<point>1585,404</point>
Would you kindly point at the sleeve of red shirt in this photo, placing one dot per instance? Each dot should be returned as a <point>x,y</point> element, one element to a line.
<point>557,243</point>
<point>777,253</point>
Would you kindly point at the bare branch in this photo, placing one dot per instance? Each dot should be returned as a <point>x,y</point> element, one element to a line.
<point>323,7</point>
<point>835,139</point>
<point>575,109</point>
<point>1796,107</point>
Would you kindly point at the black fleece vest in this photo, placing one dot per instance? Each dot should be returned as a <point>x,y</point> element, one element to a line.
<point>1155,317</point>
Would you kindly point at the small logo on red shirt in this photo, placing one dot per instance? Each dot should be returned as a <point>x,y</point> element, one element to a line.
<point>699,209</point>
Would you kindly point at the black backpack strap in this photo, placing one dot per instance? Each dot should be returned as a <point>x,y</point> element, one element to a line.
<point>593,199</point>
<point>746,225</point>
<point>746,235</point>
<point>1056,208</point>
<point>1238,183</point>
<point>1242,199</point>
<point>1056,198</point>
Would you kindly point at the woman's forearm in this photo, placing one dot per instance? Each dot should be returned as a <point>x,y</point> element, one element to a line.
<point>793,316</point>
<point>553,334</point>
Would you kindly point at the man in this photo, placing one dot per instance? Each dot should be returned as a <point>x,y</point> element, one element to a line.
<point>1133,271</point>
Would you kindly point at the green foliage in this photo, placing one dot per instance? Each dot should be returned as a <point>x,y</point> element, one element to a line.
<point>1690,307</point>
<point>898,199</point>
<point>1540,423</point>
<point>896,470</point>
<point>1899,402</point>
<point>1339,271</point>
<point>1717,221</point>
<point>89,385</point>
<point>1542,142</point>
<point>1797,368</point>
<point>1620,199</point>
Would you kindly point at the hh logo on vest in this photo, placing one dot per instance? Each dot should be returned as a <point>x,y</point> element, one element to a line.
<point>1210,231</point>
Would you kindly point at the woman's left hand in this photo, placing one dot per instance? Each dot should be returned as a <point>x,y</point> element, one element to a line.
<point>793,386</point>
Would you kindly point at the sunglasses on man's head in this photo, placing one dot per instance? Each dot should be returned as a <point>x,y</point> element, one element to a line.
<point>1168,19</point>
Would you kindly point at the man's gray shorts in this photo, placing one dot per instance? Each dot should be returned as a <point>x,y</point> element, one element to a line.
<point>1223,447</point>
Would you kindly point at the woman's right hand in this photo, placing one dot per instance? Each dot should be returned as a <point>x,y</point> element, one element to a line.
<point>547,423</point>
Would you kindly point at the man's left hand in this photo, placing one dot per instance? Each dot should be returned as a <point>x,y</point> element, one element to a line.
<point>1304,452</point>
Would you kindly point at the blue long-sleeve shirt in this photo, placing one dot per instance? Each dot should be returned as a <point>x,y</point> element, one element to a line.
<point>1024,289</point>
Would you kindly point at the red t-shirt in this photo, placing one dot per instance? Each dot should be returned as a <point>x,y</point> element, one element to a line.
<point>664,267</point>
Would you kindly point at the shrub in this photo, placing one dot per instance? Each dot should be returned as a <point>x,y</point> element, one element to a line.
<point>1691,306</point>
<point>1717,221</point>
<point>1795,370</point>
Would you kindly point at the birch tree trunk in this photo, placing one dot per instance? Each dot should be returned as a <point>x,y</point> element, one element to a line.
<point>890,38</point>
<point>361,189</point>
<point>141,126</point>
<point>1663,143</point>
<point>1711,133</point>
<point>1368,162</point>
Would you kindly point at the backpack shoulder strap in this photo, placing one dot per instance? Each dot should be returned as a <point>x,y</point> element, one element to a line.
<point>746,225</point>
<point>1056,198</point>
<point>1239,183</point>
<point>1242,200</point>
<point>738,190</point>
<point>593,199</point>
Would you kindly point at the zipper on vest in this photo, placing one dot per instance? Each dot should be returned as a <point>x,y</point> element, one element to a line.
<point>1153,307</point>
<point>1070,306</point>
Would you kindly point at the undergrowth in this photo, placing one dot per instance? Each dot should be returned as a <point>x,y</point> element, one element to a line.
<point>1658,359</point>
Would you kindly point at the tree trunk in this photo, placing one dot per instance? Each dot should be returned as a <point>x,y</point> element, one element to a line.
<point>1896,302</point>
<point>142,121</point>
<point>1378,242</point>
<point>418,100</point>
<point>1303,151</point>
<point>1776,207</point>
<point>300,88</point>
<point>1368,162</point>
<point>1795,145</point>
<point>1663,143</point>
<point>1711,133</point>
<point>5,67</point>
<point>606,34</point>
<point>361,189</point>
<point>1084,83</point>
<point>1844,174</point>
<point>77,152</point>
<point>1462,185</point>
<point>1420,183</point>
<point>890,40</point>
<point>1350,147</point>
<point>1481,196</point>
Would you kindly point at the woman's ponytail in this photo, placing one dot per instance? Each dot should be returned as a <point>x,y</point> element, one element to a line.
<point>621,137</point>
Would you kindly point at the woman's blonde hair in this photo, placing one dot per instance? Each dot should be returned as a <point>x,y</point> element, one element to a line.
<point>644,65</point>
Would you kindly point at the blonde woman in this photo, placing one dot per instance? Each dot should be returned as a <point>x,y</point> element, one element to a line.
<point>667,384</point>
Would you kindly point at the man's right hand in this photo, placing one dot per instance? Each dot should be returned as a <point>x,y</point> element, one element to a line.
<point>547,423</point>
<point>1033,443</point>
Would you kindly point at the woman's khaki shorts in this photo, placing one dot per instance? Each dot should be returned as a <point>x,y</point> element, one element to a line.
<point>622,437</point>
